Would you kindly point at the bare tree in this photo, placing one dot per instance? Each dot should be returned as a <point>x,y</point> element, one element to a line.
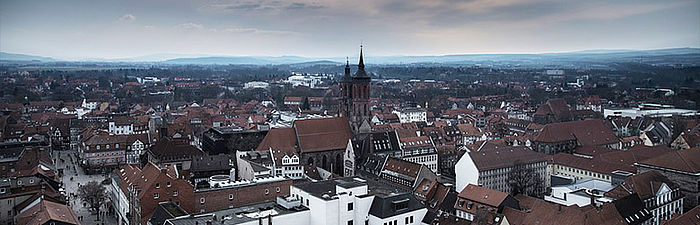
<point>94,195</point>
<point>524,179</point>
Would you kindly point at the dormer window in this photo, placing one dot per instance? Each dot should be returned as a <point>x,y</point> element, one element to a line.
<point>167,184</point>
<point>157,185</point>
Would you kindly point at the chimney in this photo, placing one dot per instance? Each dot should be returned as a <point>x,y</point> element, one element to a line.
<point>208,222</point>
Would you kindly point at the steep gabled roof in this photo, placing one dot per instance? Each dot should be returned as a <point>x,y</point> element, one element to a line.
<point>46,211</point>
<point>322,134</point>
<point>586,132</point>
<point>683,160</point>
<point>644,184</point>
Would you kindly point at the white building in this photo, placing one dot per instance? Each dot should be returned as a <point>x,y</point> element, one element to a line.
<point>661,196</point>
<point>284,211</point>
<point>635,112</point>
<point>121,127</point>
<point>489,166</point>
<point>580,193</point>
<point>256,84</point>
<point>347,201</point>
<point>304,80</point>
<point>342,201</point>
<point>412,115</point>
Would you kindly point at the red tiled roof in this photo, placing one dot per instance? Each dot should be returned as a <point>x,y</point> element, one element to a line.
<point>483,195</point>
<point>595,164</point>
<point>46,211</point>
<point>644,184</point>
<point>586,132</point>
<point>402,166</point>
<point>690,217</point>
<point>280,138</point>
<point>539,212</point>
<point>682,160</point>
<point>496,156</point>
<point>322,134</point>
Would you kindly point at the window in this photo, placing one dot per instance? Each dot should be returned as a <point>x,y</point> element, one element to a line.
<point>201,201</point>
<point>349,222</point>
<point>350,206</point>
<point>411,219</point>
<point>267,191</point>
<point>230,196</point>
<point>167,184</point>
<point>157,185</point>
<point>277,189</point>
<point>175,193</point>
<point>155,196</point>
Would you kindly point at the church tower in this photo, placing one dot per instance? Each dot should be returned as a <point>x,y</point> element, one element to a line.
<point>354,93</point>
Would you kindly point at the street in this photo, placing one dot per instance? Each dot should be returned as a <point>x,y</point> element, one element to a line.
<point>67,161</point>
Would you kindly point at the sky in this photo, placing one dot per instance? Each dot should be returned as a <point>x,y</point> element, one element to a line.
<point>73,29</point>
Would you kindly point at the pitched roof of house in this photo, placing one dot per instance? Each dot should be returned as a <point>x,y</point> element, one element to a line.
<point>322,134</point>
<point>279,138</point>
<point>495,156</point>
<point>690,217</point>
<point>403,167</point>
<point>596,164</point>
<point>586,132</point>
<point>46,211</point>
<point>483,195</point>
<point>539,212</point>
<point>683,160</point>
<point>644,184</point>
<point>131,175</point>
<point>173,148</point>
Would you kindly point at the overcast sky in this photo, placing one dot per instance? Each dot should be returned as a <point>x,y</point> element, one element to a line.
<point>71,29</point>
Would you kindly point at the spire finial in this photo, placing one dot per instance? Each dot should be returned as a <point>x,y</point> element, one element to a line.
<point>361,64</point>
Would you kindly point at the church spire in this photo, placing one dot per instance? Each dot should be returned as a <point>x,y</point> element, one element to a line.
<point>361,64</point>
<point>347,67</point>
<point>361,67</point>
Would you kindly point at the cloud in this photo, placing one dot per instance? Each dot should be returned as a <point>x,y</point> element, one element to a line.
<point>190,26</point>
<point>300,5</point>
<point>127,17</point>
<point>255,31</point>
<point>268,5</point>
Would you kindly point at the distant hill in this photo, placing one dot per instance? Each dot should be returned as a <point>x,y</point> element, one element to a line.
<point>578,59</point>
<point>251,60</point>
<point>4,56</point>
